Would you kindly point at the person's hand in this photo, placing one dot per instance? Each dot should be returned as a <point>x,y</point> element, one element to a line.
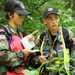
<point>42,59</point>
<point>31,36</point>
<point>27,52</point>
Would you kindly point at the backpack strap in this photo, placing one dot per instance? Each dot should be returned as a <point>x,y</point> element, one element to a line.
<point>65,33</point>
<point>6,30</point>
<point>8,35</point>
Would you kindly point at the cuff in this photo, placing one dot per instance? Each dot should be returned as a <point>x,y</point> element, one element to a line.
<point>20,54</point>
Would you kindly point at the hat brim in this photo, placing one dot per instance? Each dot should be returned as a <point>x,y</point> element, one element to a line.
<point>23,12</point>
<point>51,13</point>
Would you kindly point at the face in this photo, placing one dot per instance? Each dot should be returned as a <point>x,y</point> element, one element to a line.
<point>16,19</point>
<point>52,21</point>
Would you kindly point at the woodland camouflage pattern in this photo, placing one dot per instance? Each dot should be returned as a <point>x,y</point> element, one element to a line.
<point>51,47</point>
<point>8,58</point>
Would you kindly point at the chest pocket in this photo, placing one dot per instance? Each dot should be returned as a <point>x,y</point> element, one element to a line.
<point>59,49</point>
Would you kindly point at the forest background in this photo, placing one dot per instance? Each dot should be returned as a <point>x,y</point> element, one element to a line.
<point>37,8</point>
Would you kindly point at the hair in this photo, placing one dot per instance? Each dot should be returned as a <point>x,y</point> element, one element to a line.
<point>7,14</point>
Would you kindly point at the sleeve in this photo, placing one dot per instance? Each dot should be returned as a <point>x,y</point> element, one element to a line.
<point>7,57</point>
<point>72,48</point>
<point>71,36</point>
<point>33,61</point>
<point>71,40</point>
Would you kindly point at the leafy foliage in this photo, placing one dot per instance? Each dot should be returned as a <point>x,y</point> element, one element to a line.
<point>31,72</point>
<point>35,21</point>
<point>37,8</point>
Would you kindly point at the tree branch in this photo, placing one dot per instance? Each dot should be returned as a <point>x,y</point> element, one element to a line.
<point>41,4</point>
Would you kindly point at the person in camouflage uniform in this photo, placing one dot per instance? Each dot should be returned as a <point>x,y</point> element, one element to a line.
<point>51,45</point>
<point>11,60</point>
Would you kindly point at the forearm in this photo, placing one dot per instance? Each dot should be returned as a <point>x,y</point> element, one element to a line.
<point>9,58</point>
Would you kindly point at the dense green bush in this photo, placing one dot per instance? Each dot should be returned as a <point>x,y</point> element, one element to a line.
<point>36,7</point>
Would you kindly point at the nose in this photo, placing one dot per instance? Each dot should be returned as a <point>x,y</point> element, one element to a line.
<point>53,21</point>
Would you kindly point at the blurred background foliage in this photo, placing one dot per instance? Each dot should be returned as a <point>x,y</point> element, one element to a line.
<point>37,7</point>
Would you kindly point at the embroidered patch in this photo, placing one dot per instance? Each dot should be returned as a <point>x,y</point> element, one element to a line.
<point>50,9</point>
<point>1,30</point>
<point>2,37</point>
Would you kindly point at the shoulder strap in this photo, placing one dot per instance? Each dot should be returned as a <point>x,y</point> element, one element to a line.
<point>42,38</point>
<point>65,35</point>
<point>6,30</point>
<point>8,35</point>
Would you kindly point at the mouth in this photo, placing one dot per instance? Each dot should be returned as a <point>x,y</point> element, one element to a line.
<point>53,25</point>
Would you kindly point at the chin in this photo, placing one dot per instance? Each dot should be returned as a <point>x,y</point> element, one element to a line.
<point>20,23</point>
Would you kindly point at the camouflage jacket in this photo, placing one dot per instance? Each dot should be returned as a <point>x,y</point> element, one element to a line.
<point>8,58</point>
<point>53,43</point>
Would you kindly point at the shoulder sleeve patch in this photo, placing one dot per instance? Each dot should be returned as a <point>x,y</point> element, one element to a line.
<point>2,37</point>
<point>1,30</point>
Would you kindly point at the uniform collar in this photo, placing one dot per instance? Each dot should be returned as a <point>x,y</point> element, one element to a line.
<point>11,29</point>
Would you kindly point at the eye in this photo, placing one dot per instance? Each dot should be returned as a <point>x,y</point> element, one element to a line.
<point>20,14</point>
<point>56,17</point>
<point>49,18</point>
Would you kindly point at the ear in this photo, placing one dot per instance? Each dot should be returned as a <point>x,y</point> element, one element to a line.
<point>44,21</point>
<point>9,14</point>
